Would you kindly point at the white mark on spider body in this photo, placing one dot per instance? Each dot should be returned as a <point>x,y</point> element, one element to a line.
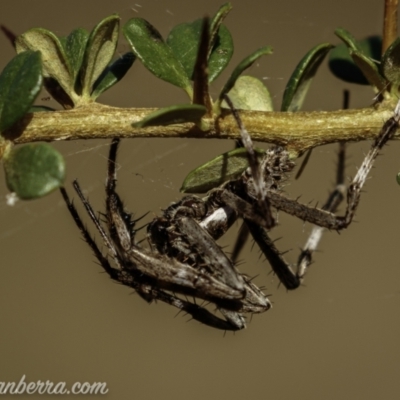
<point>218,217</point>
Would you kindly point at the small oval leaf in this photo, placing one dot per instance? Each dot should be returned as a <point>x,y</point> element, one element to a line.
<point>55,62</point>
<point>369,69</point>
<point>20,83</point>
<point>113,74</point>
<point>243,65</point>
<point>221,53</point>
<point>149,46</point>
<point>226,166</point>
<point>99,51</point>
<point>342,59</point>
<point>216,21</point>
<point>391,63</point>
<point>75,45</point>
<point>299,83</point>
<point>34,170</point>
<point>249,93</point>
<point>347,38</point>
<point>184,42</point>
<point>177,114</point>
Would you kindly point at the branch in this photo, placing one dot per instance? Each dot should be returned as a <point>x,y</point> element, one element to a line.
<point>389,24</point>
<point>297,131</point>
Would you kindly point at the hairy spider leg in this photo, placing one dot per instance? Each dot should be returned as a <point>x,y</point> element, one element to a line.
<point>323,218</point>
<point>290,279</point>
<point>332,204</point>
<point>327,219</point>
<point>259,183</point>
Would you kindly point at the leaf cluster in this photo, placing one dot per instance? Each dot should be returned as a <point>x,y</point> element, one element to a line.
<point>78,68</point>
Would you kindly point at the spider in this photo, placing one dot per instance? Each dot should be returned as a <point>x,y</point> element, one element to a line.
<point>184,258</point>
<point>204,273</point>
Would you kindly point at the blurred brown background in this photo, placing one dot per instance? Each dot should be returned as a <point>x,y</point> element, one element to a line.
<point>336,337</point>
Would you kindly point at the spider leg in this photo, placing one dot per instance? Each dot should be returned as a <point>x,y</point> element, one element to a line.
<point>178,276</point>
<point>107,241</point>
<point>197,312</point>
<point>120,223</point>
<point>242,207</point>
<point>89,240</point>
<point>334,199</point>
<point>282,269</point>
<point>259,183</point>
<point>325,218</point>
<point>241,239</point>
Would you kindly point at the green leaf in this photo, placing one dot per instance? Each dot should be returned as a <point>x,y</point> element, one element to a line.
<point>221,49</point>
<point>184,41</point>
<point>221,54</point>
<point>75,45</point>
<point>20,83</point>
<point>249,93</point>
<point>347,38</point>
<point>113,74</point>
<point>243,65</point>
<point>369,69</point>
<point>54,59</point>
<point>346,59</point>
<point>34,170</point>
<point>226,166</point>
<point>299,83</point>
<point>216,21</point>
<point>149,46</point>
<point>201,94</point>
<point>391,63</point>
<point>178,114</point>
<point>99,52</point>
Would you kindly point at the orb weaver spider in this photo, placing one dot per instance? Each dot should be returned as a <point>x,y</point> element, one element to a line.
<point>183,259</point>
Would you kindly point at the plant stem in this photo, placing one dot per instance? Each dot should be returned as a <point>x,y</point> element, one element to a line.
<point>389,24</point>
<point>297,131</point>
